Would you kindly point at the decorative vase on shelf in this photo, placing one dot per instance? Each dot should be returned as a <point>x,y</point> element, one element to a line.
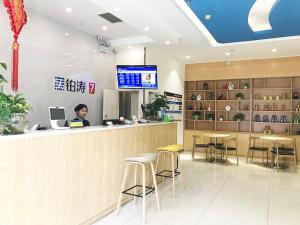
<point>199,97</point>
<point>209,108</point>
<point>205,86</point>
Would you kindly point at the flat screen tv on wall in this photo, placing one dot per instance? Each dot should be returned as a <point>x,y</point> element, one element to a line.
<point>137,77</point>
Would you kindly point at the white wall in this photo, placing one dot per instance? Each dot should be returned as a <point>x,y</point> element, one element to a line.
<point>43,45</point>
<point>170,71</point>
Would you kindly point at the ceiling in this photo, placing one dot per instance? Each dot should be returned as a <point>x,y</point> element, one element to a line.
<point>248,20</point>
<point>168,22</point>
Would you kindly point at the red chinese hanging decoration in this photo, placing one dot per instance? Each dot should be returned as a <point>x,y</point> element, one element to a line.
<point>18,18</point>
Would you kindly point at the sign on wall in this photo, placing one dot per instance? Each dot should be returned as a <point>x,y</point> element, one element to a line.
<point>75,86</point>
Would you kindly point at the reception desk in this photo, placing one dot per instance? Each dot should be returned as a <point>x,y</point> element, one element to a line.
<point>70,177</point>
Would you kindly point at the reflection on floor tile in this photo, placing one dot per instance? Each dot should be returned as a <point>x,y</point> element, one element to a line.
<point>215,194</point>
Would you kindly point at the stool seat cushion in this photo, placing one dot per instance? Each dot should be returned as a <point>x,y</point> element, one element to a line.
<point>143,158</point>
<point>171,148</point>
<point>224,148</point>
<point>202,146</point>
<point>258,148</point>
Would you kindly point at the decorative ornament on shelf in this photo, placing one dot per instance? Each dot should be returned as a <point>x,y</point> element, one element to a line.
<point>227,107</point>
<point>246,86</point>
<point>199,97</point>
<point>230,85</point>
<point>257,118</point>
<point>221,118</point>
<point>18,17</point>
<point>239,96</point>
<point>193,97</point>
<point>239,117</point>
<point>295,95</point>
<point>205,86</point>
<point>209,108</point>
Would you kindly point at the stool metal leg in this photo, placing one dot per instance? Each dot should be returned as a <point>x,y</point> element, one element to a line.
<point>181,169</point>
<point>144,193</point>
<point>135,183</point>
<point>173,174</point>
<point>157,161</point>
<point>155,185</point>
<point>122,188</point>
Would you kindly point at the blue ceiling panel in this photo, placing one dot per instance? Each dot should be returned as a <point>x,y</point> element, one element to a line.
<point>229,19</point>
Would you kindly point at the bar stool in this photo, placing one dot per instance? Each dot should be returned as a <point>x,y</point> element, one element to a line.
<point>142,160</point>
<point>173,151</point>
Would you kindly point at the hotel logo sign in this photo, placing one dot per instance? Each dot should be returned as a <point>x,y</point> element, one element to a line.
<point>71,85</point>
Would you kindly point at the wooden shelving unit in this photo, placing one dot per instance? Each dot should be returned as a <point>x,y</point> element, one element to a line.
<point>264,97</point>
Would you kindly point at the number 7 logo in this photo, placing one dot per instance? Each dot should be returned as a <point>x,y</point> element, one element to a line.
<point>92,88</point>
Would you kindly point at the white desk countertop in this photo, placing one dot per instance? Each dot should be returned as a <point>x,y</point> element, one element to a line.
<point>41,133</point>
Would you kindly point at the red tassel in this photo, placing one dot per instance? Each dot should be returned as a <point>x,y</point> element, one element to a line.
<point>15,63</point>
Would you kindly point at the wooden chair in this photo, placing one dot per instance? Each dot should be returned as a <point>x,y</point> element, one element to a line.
<point>253,147</point>
<point>285,150</point>
<point>230,144</point>
<point>200,147</point>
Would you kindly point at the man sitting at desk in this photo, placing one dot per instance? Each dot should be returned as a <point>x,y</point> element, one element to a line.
<point>81,111</point>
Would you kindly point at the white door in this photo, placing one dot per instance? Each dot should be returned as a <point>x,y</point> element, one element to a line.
<point>110,105</point>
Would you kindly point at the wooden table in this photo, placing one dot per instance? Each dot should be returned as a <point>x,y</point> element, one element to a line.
<point>216,136</point>
<point>276,139</point>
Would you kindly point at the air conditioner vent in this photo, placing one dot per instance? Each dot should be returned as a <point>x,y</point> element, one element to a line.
<point>110,17</point>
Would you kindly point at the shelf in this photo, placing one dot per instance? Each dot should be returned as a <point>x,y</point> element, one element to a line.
<point>232,110</point>
<point>200,100</point>
<point>271,88</point>
<point>200,120</point>
<point>270,111</point>
<point>201,90</point>
<point>241,89</point>
<point>233,100</point>
<point>233,121</point>
<point>277,123</point>
<point>272,100</point>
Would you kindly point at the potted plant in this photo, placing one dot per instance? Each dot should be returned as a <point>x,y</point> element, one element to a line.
<point>196,115</point>
<point>13,111</point>
<point>210,116</point>
<point>152,109</point>
<point>239,117</point>
<point>239,96</point>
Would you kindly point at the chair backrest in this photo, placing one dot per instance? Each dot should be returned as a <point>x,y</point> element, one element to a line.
<point>230,142</point>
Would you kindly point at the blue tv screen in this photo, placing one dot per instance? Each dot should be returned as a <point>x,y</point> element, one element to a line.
<point>137,77</point>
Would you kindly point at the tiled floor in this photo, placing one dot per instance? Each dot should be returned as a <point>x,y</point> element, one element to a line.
<point>218,195</point>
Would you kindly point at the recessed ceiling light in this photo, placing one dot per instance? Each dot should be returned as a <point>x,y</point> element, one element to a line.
<point>70,65</point>
<point>94,50</point>
<point>104,28</point>
<point>129,46</point>
<point>116,9</point>
<point>274,50</point>
<point>67,34</point>
<point>227,53</point>
<point>146,28</point>
<point>207,17</point>
<point>67,53</point>
<point>188,57</point>
<point>167,42</point>
<point>68,10</point>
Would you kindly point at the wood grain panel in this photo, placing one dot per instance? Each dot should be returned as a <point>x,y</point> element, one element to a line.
<point>70,179</point>
<point>289,66</point>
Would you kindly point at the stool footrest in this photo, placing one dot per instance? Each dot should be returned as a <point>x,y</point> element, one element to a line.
<point>148,191</point>
<point>160,174</point>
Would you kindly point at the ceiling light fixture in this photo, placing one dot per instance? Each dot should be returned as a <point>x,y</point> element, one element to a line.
<point>104,28</point>
<point>146,28</point>
<point>274,50</point>
<point>207,17</point>
<point>188,57</point>
<point>68,10</point>
<point>227,53</point>
<point>67,53</point>
<point>167,42</point>
<point>67,34</point>
<point>129,46</point>
<point>94,50</point>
